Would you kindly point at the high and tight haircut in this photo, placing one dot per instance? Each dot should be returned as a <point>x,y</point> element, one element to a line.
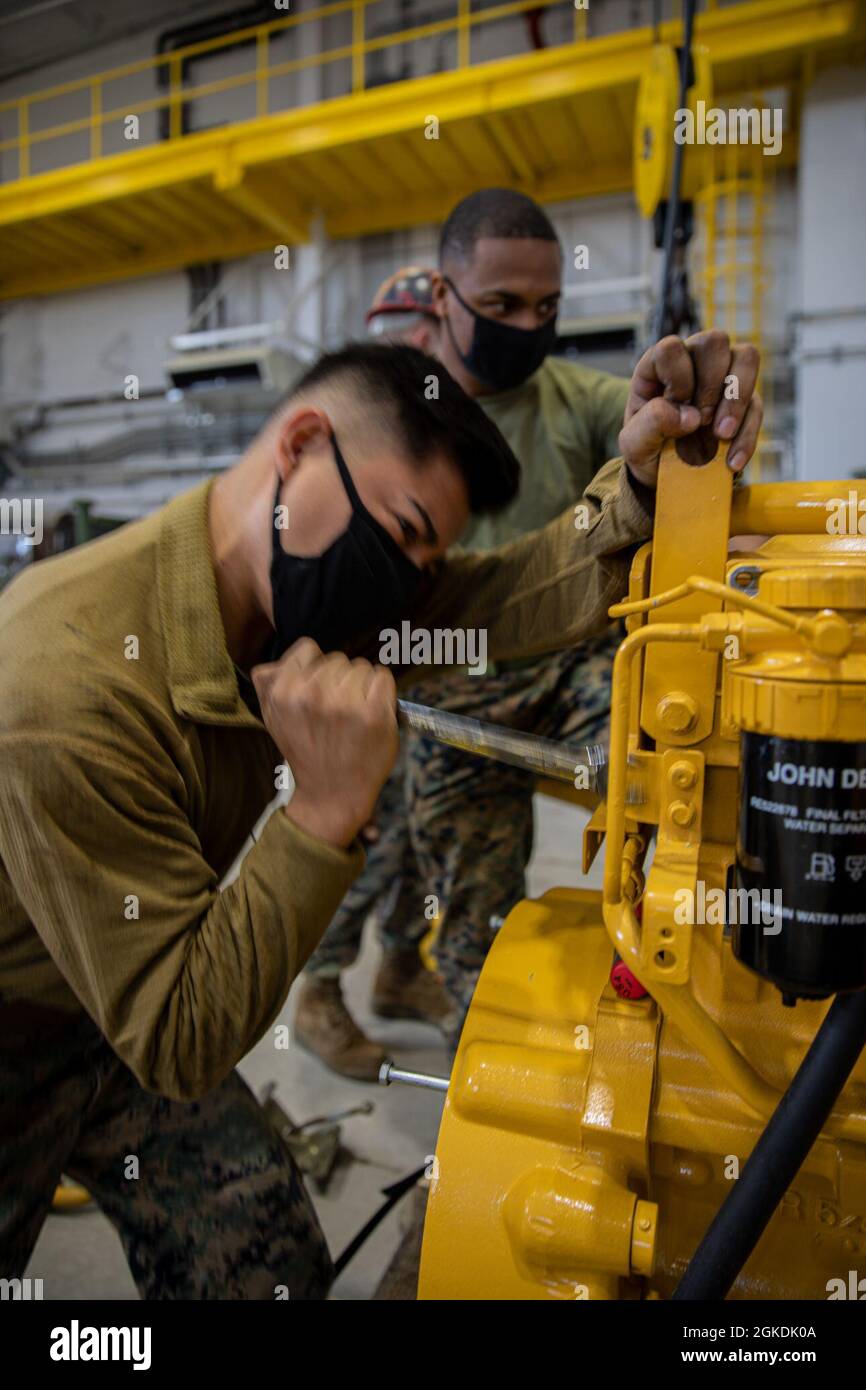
<point>398,381</point>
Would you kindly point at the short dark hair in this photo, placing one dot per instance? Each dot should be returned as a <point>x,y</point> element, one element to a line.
<point>492,212</point>
<point>396,379</point>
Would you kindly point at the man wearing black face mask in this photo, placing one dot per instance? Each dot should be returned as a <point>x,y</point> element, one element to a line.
<point>497,291</point>
<point>151,686</point>
<point>359,582</point>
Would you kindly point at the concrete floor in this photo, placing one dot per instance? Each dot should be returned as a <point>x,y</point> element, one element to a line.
<point>78,1254</point>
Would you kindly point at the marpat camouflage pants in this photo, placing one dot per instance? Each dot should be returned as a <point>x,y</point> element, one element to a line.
<point>459,828</point>
<point>217,1209</point>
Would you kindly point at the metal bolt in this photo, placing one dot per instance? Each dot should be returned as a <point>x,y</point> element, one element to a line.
<point>677,713</point>
<point>832,635</point>
<point>682,814</point>
<point>388,1073</point>
<point>683,775</point>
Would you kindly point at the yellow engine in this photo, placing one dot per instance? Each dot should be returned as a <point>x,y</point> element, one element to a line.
<point>626,1051</point>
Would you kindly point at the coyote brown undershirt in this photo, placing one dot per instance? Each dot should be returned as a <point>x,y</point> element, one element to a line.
<point>562,424</point>
<point>131,773</point>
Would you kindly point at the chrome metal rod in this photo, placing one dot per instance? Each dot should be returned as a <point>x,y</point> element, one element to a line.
<point>530,752</point>
<point>388,1073</point>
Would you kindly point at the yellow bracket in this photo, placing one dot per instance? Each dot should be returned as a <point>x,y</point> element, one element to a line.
<point>690,537</point>
<point>666,944</point>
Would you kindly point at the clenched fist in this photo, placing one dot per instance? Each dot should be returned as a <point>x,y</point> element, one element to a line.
<point>335,723</point>
<point>699,391</point>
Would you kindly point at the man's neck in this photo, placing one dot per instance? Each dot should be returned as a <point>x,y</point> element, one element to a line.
<point>235,534</point>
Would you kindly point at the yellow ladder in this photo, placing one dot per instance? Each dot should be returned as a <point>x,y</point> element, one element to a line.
<point>732,276</point>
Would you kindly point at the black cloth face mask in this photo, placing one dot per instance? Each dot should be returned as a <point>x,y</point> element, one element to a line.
<point>363,581</point>
<point>501,356</point>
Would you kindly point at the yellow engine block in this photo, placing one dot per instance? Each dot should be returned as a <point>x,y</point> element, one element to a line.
<point>588,1140</point>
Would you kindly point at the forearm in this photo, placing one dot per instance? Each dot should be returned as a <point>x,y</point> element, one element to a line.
<point>551,588</point>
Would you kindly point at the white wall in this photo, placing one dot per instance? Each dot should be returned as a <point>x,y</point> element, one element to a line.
<point>85,343</point>
<point>832,334</point>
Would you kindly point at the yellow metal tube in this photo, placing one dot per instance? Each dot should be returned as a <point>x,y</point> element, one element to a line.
<point>175,126</point>
<point>262,73</point>
<point>722,591</point>
<point>464,19</point>
<point>619,720</point>
<point>96,120</point>
<point>791,509</point>
<point>358,54</point>
<point>24,139</point>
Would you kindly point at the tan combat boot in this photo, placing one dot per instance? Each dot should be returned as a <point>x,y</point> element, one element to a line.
<point>324,1026</point>
<point>404,988</point>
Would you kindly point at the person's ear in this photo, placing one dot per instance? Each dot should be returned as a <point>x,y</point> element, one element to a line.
<point>302,431</point>
<point>439,292</point>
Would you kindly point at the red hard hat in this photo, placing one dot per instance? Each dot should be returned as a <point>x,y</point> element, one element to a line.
<point>407,291</point>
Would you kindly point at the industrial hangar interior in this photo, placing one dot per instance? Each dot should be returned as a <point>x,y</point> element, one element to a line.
<point>433,655</point>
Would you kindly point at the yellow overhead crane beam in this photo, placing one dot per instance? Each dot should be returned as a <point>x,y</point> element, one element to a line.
<point>556,123</point>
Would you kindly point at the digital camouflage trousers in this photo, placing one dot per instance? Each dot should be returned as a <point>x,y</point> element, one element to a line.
<point>455,831</point>
<point>206,1200</point>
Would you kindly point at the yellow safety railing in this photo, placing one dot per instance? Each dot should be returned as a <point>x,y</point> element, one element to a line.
<point>170,67</point>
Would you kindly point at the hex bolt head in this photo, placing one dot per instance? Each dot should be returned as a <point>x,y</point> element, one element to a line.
<point>683,775</point>
<point>682,814</point>
<point>677,712</point>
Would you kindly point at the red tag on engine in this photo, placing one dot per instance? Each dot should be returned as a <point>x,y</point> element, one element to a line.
<point>627,985</point>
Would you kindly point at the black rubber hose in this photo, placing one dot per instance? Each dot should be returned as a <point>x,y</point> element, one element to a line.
<point>779,1153</point>
<point>393,1194</point>
<point>674,196</point>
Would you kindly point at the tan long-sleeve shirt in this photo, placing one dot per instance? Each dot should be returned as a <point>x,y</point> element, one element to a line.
<point>131,773</point>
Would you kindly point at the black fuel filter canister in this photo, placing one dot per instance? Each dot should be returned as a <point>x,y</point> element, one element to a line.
<point>802,845</point>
